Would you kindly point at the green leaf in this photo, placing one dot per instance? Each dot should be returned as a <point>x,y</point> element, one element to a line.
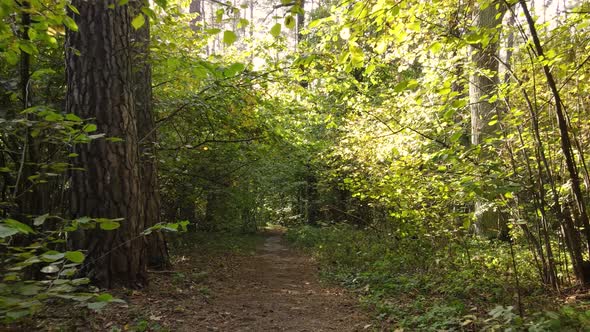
<point>6,231</point>
<point>27,47</point>
<point>243,23</point>
<point>233,69</point>
<point>52,256</point>
<point>106,297</point>
<point>290,22</point>
<point>455,137</point>
<point>70,23</point>
<point>75,256</point>
<point>474,38</point>
<point>357,56</point>
<point>107,224</point>
<point>19,226</point>
<point>314,23</point>
<point>89,128</point>
<point>275,31</point>
<point>73,117</point>
<point>138,21</point>
<point>73,9</point>
<point>435,47</point>
<point>401,86</point>
<point>229,37</point>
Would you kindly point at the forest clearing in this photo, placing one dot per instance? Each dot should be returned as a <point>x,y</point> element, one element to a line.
<point>294,165</point>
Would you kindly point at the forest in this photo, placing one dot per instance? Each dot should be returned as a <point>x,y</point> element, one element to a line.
<point>294,165</point>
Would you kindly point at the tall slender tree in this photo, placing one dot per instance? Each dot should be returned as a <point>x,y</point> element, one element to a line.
<point>482,85</point>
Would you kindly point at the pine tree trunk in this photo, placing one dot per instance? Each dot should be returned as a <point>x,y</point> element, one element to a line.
<point>157,249</point>
<point>100,87</point>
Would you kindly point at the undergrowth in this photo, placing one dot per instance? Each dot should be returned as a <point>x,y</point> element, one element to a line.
<point>434,284</point>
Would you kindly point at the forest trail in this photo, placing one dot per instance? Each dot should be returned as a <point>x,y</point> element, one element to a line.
<point>275,288</point>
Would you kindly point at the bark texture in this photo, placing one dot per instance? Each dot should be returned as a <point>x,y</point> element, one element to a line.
<point>157,250</point>
<point>100,80</point>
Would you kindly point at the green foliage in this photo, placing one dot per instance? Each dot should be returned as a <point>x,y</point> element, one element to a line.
<point>417,286</point>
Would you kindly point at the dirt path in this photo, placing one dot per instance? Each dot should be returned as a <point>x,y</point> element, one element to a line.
<point>274,288</point>
<point>277,289</point>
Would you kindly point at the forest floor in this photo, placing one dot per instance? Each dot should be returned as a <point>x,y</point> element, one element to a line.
<point>268,287</point>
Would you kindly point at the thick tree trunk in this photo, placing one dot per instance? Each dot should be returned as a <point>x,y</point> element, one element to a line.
<point>157,250</point>
<point>98,65</point>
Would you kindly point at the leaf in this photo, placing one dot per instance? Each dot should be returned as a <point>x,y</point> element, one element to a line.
<point>6,231</point>
<point>28,47</point>
<point>106,297</point>
<point>357,56</point>
<point>50,269</point>
<point>233,69</point>
<point>455,137</point>
<point>401,86</point>
<point>52,256</point>
<point>19,226</point>
<point>107,224</point>
<point>243,23</point>
<point>290,22</point>
<point>275,31</point>
<point>70,23</point>
<point>89,128</point>
<point>314,23</point>
<point>435,47</point>
<point>138,21</point>
<point>75,256</point>
<point>229,37</point>
<point>73,9</point>
<point>73,117</point>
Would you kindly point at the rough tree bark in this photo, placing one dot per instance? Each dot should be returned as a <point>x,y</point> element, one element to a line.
<point>157,249</point>
<point>98,66</point>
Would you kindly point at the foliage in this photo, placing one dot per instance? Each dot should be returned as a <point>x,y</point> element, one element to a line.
<point>467,286</point>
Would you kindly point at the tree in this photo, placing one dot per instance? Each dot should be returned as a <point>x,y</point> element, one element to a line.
<point>482,85</point>
<point>100,86</point>
<point>157,249</point>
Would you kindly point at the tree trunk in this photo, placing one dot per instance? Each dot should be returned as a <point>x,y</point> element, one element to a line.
<point>100,87</point>
<point>481,87</point>
<point>196,6</point>
<point>157,250</point>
